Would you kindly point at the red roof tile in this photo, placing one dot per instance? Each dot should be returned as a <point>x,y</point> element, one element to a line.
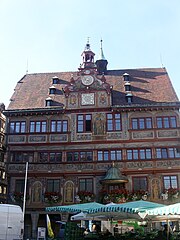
<point>148,85</point>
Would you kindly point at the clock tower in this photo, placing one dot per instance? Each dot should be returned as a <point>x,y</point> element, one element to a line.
<point>87,59</point>
<point>88,88</point>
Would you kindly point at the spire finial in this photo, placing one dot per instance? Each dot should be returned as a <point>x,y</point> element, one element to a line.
<point>88,40</point>
<point>101,54</point>
<point>87,47</point>
<point>101,43</point>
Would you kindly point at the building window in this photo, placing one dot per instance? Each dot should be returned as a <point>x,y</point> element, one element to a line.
<point>109,155</point>
<point>84,123</point>
<point>37,126</point>
<point>161,153</point>
<point>113,122</point>
<point>22,156</point>
<point>141,123</point>
<point>19,185</point>
<point>79,156</point>
<point>140,183</point>
<point>86,184</point>
<point>166,122</point>
<point>170,182</point>
<point>59,126</point>
<point>1,157</point>
<point>139,154</point>
<point>53,185</point>
<point>17,127</point>
<point>52,157</point>
<point>167,153</point>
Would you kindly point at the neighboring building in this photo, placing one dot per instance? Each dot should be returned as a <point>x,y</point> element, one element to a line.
<point>94,134</point>
<point>3,176</point>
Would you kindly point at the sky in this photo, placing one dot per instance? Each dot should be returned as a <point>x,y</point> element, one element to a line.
<point>49,36</point>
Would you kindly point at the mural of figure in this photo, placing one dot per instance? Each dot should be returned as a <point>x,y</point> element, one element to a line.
<point>99,124</point>
<point>155,189</point>
<point>69,189</point>
<point>37,192</point>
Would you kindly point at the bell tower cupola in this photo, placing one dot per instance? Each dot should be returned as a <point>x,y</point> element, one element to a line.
<point>87,57</point>
<point>101,63</point>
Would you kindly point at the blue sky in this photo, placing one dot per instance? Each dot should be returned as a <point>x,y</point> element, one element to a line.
<point>51,34</point>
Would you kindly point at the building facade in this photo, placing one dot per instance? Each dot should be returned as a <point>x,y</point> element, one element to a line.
<point>94,134</point>
<point>3,175</point>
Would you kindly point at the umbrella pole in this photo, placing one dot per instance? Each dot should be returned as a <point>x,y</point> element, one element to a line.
<point>167,229</point>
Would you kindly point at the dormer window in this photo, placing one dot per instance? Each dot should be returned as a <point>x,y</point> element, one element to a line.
<point>48,102</point>
<point>127,86</point>
<point>129,97</point>
<point>52,90</point>
<point>126,77</point>
<point>55,80</point>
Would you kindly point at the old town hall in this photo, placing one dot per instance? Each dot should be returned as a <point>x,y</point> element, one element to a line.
<point>94,134</point>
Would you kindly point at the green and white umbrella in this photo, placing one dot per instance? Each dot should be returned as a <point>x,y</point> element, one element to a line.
<point>173,209</point>
<point>129,210</point>
<point>75,208</point>
<point>128,207</point>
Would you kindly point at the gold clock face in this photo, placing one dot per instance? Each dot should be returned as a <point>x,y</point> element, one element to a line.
<point>87,99</point>
<point>87,71</point>
<point>87,80</point>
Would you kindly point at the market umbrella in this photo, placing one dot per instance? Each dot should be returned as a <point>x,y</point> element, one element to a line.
<point>128,207</point>
<point>166,213</point>
<point>173,209</point>
<point>76,208</point>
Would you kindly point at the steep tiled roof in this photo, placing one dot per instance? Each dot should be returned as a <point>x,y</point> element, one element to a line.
<point>148,85</point>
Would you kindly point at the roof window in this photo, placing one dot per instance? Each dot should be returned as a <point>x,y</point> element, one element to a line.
<point>129,97</point>
<point>52,90</point>
<point>55,80</point>
<point>48,102</point>
<point>127,86</point>
<point>126,77</point>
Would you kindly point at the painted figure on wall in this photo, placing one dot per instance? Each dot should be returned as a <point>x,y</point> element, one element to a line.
<point>155,188</point>
<point>99,124</point>
<point>69,192</point>
<point>37,192</point>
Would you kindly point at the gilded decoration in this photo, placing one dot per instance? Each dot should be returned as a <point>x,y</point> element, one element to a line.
<point>102,99</point>
<point>73,99</point>
<point>99,124</point>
